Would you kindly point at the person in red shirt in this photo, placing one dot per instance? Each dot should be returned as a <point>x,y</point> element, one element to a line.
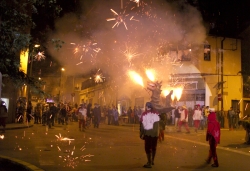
<point>213,137</point>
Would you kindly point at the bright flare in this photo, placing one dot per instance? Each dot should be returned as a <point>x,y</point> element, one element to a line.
<point>178,92</point>
<point>136,77</point>
<point>150,75</point>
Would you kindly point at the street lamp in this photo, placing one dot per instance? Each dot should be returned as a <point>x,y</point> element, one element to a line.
<point>60,84</point>
<point>31,68</point>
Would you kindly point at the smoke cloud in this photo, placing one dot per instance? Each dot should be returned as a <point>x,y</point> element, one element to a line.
<point>155,30</point>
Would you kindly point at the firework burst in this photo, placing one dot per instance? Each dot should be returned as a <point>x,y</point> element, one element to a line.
<point>120,19</point>
<point>130,53</point>
<point>98,77</point>
<point>90,48</point>
<point>39,56</point>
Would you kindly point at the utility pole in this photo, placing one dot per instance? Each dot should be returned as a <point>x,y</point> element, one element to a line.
<point>222,80</point>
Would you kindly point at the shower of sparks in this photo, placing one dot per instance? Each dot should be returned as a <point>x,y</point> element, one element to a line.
<point>98,77</point>
<point>39,56</point>
<point>60,138</point>
<point>87,49</point>
<point>130,53</point>
<point>70,160</point>
<point>118,18</point>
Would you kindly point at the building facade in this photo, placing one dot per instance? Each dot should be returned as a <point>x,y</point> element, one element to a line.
<point>209,77</point>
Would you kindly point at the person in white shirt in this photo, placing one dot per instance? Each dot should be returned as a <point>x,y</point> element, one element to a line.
<point>82,115</point>
<point>197,117</point>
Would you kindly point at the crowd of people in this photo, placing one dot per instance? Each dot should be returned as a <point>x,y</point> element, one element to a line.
<point>197,117</point>
<point>85,114</point>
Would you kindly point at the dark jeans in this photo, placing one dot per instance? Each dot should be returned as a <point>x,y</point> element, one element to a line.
<point>150,144</point>
<point>222,121</point>
<point>231,122</point>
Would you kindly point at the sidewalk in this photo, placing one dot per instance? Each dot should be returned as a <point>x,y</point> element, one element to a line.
<point>18,126</point>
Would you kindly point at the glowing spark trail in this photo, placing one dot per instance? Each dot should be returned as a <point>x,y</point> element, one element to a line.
<point>130,53</point>
<point>39,56</point>
<point>118,18</point>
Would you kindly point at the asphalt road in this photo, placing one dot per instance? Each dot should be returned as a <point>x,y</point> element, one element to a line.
<point>119,148</point>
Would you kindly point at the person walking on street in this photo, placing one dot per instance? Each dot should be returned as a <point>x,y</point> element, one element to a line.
<point>162,124</point>
<point>149,126</point>
<point>231,116</point>
<point>197,117</point>
<point>97,115</point>
<point>222,118</point>
<point>29,111</point>
<point>177,115</point>
<point>3,115</point>
<point>213,137</point>
<point>129,112</point>
<point>82,114</point>
<point>116,116</point>
<point>110,113</point>
<point>63,114</point>
<point>184,119</point>
<point>89,113</point>
<point>19,112</point>
<point>53,112</point>
<point>237,118</point>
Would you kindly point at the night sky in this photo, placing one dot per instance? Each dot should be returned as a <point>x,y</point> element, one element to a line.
<point>154,23</point>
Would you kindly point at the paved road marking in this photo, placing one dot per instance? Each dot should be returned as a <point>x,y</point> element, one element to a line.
<point>206,144</point>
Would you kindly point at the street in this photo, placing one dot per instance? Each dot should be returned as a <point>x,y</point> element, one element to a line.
<point>120,148</point>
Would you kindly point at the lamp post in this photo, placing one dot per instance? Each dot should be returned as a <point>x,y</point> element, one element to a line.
<point>31,68</point>
<point>60,84</point>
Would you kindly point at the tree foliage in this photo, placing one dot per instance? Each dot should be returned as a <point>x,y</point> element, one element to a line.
<point>16,23</point>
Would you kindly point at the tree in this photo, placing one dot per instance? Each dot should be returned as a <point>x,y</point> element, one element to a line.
<point>16,23</point>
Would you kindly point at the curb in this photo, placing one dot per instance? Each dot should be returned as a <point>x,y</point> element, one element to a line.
<point>20,127</point>
<point>17,162</point>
